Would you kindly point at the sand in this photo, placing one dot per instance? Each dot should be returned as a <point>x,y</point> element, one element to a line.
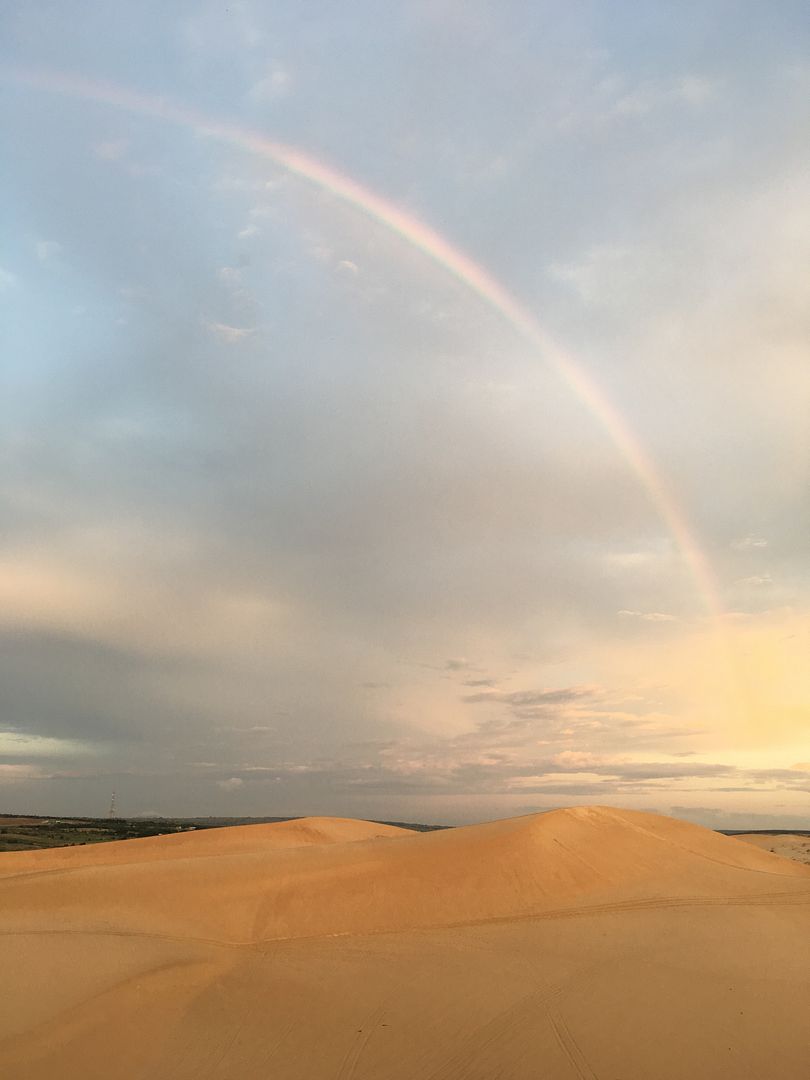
<point>584,943</point>
<point>788,845</point>
<point>241,839</point>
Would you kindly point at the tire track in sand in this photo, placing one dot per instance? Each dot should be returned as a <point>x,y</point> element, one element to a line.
<point>348,1066</point>
<point>569,1045</point>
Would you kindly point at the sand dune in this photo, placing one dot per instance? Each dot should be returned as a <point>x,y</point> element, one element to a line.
<point>243,839</point>
<point>590,942</point>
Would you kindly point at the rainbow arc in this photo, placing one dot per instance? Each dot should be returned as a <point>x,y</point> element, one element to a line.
<point>435,247</point>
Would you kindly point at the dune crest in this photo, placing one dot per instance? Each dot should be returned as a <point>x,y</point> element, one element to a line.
<point>272,883</point>
<point>200,843</point>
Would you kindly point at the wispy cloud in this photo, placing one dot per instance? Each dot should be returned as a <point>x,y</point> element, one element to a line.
<point>749,543</point>
<point>647,616</point>
<point>756,581</point>
<point>15,744</point>
<point>230,275</point>
<point>524,698</point>
<point>276,83</point>
<point>230,335</point>
<point>233,783</point>
<point>694,91</point>
<point>111,150</point>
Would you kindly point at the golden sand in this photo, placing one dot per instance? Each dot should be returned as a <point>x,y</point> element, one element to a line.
<point>584,943</point>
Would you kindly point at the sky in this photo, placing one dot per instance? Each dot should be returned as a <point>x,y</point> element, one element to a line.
<point>403,409</point>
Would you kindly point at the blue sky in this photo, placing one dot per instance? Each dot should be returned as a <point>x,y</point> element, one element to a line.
<point>293,522</point>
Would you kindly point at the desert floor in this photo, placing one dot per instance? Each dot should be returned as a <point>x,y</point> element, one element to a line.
<point>587,943</point>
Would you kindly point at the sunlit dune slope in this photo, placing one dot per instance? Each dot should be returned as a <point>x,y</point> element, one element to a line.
<point>259,890</point>
<point>576,945</point>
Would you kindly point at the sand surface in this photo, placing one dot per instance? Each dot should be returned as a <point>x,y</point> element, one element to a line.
<point>788,845</point>
<point>587,943</point>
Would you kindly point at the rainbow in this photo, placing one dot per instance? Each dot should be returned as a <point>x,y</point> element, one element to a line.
<point>435,247</point>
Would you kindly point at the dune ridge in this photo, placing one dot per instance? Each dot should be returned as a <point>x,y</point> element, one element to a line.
<point>203,843</point>
<point>278,882</point>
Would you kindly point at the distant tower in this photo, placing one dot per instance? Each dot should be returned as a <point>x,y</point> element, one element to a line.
<point>112,813</point>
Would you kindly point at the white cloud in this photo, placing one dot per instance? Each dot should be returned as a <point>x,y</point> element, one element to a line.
<point>16,744</point>
<point>576,758</point>
<point>594,277</point>
<point>266,211</point>
<point>631,560</point>
<point>319,251</point>
<point>647,616</point>
<point>7,279</point>
<point>236,183</point>
<point>133,293</point>
<point>696,89</point>
<point>616,99</point>
<point>756,580</point>
<point>47,250</point>
<point>113,150</point>
<point>692,90</point>
<point>231,275</point>
<point>16,773</point>
<point>346,266</point>
<point>248,232</point>
<point>746,543</point>
<point>638,102</point>
<point>273,86</point>
<point>230,335</point>
<point>231,784</point>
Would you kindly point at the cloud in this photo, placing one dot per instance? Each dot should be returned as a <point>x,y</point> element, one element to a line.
<point>696,90</point>
<point>112,150</point>
<point>274,85</point>
<point>718,817</point>
<point>594,276</point>
<point>7,279</point>
<point>229,275</point>
<point>645,98</point>
<point>230,335</point>
<point>248,232</point>
<point>616,99</point>
<point>233,783</point>
<point>10,774</point>
<point>48,250</point>
<point>576,759</point>
<point>756,581</point>
<point>15,744</point>
<point>647,616</point>
<point>748,543</point>
<point>502,768</point>
<point>524,698</point>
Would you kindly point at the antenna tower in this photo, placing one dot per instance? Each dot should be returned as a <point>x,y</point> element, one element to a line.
<point>112,811</point>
